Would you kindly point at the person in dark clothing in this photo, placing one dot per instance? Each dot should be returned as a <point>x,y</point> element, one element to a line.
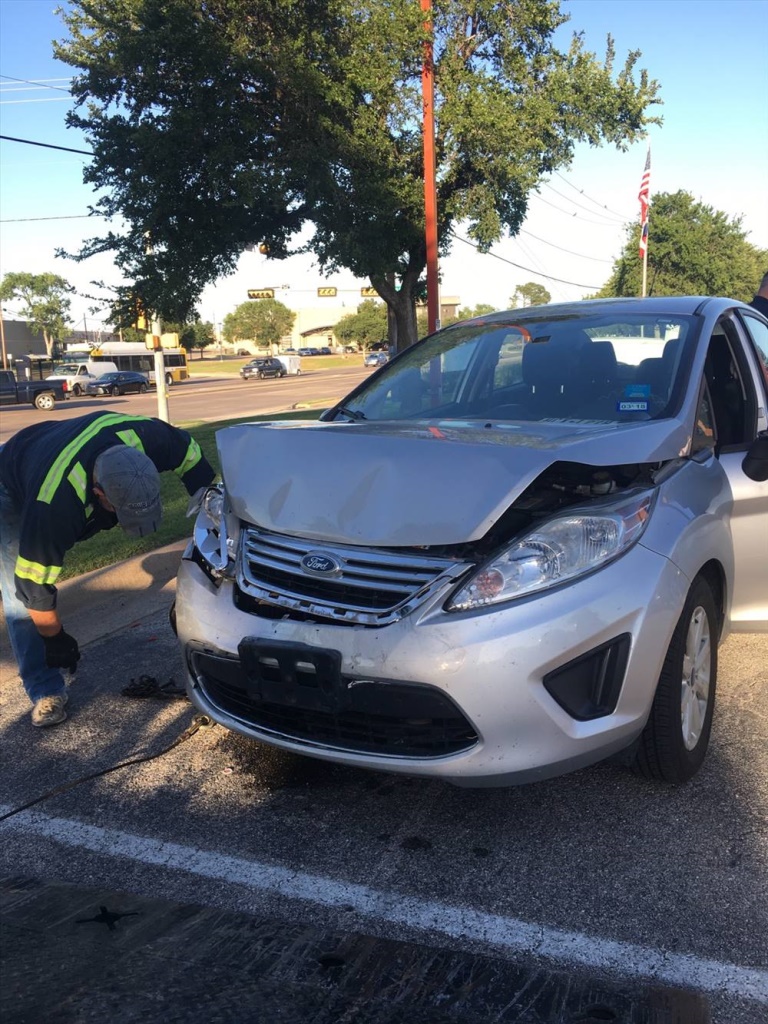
<point>760,301</point>
<point>61,482</point>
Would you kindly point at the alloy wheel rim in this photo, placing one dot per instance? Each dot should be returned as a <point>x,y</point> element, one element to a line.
<point>697,668</point>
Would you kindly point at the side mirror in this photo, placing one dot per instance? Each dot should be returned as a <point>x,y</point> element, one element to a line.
<point>755,464</point>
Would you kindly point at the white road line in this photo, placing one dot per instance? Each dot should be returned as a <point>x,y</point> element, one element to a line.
<point>504,933</point>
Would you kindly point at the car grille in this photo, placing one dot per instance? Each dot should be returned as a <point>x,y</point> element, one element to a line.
<point>394,719</point>
<point>372,586</point>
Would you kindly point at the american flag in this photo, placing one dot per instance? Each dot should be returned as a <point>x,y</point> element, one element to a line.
<point>644,196</point>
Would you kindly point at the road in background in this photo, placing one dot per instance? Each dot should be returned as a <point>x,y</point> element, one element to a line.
<point>206,399</point>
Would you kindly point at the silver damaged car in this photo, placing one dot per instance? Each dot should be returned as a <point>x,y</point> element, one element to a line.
<point>509,553</point>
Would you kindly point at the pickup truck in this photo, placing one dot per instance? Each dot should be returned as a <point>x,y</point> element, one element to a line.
<point>41,393</point>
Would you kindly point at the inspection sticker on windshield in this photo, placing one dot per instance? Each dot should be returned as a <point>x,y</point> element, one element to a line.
<point>635,398</point>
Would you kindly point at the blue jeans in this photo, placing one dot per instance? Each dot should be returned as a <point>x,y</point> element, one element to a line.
<point>26,643</point>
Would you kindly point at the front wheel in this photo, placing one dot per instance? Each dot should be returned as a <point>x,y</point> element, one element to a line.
<point>114,391</point>
<point>143,388</point>
<point>261,375</point>
<point>45,401</point>
<point>169,379</point>
<point>675,739</point>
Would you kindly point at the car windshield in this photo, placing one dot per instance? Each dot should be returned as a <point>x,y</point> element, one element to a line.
<point>108,376</point>
<point>595,368</point>
<point>66,368</point>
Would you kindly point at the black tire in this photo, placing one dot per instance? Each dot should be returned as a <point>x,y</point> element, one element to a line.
<point>143,388</point>
<point>675,739</point>
<point>261,375</point>
<point>77,390</point>
<point>114,391</point>
<point>45,401</point>
<point>169,379</point>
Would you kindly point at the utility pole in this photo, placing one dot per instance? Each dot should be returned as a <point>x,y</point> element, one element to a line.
<point>430,196</point>
<point>2,339</point>
<point>160,386</point>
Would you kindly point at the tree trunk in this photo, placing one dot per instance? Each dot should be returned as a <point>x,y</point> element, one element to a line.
<point>401,307</point>
<point>48,339</point>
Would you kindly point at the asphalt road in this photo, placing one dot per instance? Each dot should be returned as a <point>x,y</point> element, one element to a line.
<point>208,398</point>
<point>598,873</point>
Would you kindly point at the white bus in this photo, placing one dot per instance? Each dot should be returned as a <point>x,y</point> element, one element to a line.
<point>129,355</point>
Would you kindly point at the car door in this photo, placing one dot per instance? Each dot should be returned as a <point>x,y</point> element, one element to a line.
<point>739,401</point>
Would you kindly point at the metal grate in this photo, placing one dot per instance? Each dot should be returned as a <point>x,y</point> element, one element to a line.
<point>369,586</point>
<point>396,719</point>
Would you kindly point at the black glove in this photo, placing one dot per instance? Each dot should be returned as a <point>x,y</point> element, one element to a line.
<point>61,651</point>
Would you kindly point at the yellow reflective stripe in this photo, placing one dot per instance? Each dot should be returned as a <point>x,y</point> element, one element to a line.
<point>77,477</point>
<point>35,572</point>
<point>131,438</point>
<point>191,459</point>
<point>56,473</point>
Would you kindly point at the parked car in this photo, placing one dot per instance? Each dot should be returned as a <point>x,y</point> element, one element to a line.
<point>350,348</point>
<point>376,359</point>
<point>121,382</point>
<point>257,369</point>
<point>510,553</point>
<point>324,351</point>
<point>309,351</point>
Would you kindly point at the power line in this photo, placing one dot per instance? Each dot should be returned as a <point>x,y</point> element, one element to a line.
<point>569,213</point>
<point>68,216</point>
<point>46,145</point>
<point>580,205</point>
<point>41,82</point>
<point>37,99</point>
<point>583,193</point>
<point>570,252</point>
<point>528,270</point>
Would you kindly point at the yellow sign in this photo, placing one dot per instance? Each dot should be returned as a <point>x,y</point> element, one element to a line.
<point>369,293</point>
<point>326,293</point>
<point>261,293</point>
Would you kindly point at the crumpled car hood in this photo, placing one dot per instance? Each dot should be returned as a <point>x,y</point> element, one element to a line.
<point>395,484</point>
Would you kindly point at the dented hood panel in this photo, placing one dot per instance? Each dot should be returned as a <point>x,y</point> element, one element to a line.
<point>396,484</point>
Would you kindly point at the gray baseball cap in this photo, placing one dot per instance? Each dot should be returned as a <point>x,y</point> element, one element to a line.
<point>131,483</point>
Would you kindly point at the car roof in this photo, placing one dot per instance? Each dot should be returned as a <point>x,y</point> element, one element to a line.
<point>670,305</point>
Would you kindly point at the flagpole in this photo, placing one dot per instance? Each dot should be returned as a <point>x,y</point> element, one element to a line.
<point>645,268</point>
<point>645,201</point>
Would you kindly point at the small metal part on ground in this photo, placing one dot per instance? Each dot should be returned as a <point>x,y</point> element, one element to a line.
<point>148,687</point>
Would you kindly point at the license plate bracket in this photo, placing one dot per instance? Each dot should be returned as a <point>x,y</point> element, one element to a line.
<point>294,674</point>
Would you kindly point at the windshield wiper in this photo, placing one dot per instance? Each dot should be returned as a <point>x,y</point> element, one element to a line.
<point>354,414</point>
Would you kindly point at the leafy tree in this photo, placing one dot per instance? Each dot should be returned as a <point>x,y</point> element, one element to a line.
<point>44,303</point>
<point>224,124</point>
<point>469,313</point>
<point>365,327</point>
<point>530,294</point>
<point>693,249</point>
<point>264,321</point>
<point>197,334</point>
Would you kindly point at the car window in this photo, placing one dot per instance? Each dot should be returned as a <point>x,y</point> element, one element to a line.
<point>586,368</point>
<point>759,333</point>
<point>731,393</point>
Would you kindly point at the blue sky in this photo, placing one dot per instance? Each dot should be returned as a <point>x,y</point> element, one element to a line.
<point>709,56</point>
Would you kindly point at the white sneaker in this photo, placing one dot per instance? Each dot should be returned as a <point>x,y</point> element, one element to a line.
<point>49,710</point>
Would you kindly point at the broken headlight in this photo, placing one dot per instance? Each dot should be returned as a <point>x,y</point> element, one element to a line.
<point>556,551</point>
<point>216,530</point>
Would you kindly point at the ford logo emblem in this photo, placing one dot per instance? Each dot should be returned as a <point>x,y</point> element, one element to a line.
<point>317,563</point>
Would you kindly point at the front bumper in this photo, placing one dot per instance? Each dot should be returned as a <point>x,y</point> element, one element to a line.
<point>469,688</point>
